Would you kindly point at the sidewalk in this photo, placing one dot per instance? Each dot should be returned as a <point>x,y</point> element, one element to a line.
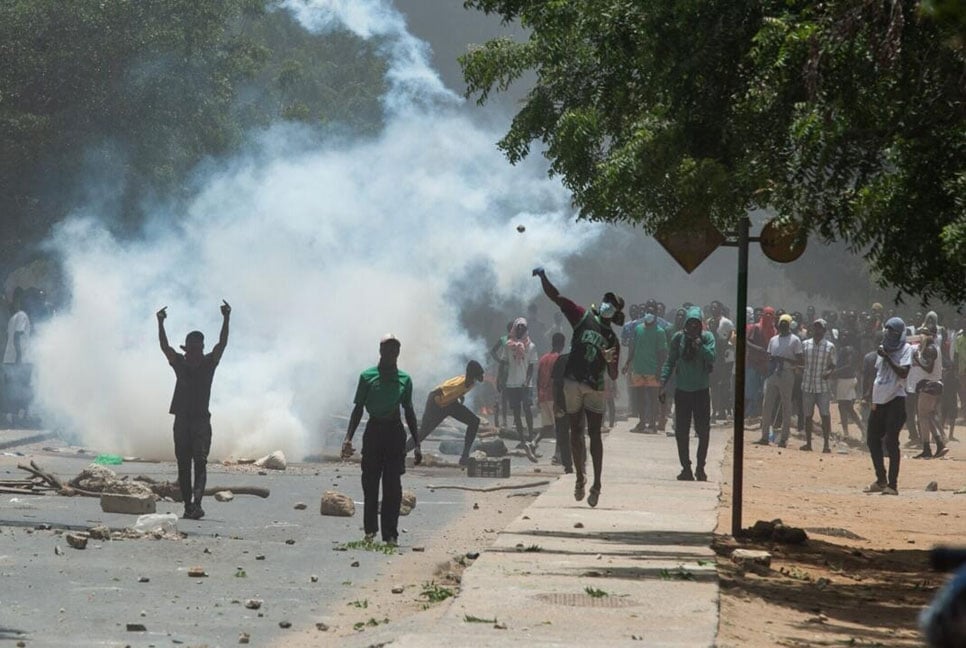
<point>647,545</point>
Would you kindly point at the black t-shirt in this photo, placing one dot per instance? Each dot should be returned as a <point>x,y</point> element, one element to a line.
<point>192,391</point>
<point>586,363</point>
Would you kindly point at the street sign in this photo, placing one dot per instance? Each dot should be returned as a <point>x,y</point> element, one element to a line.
<point>782,242</point>
<point>690,246</point>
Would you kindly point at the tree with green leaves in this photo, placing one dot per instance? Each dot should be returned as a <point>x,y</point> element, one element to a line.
<point>846,116</point>
<point>125,98</point>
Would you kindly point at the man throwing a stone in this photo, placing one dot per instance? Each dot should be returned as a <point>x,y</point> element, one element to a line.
<point>195,371</point>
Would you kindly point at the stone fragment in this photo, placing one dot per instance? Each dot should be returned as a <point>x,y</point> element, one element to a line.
<point>419,549</point>
<point>321,627</point>
<point>224,496</point>
<point>260,557</point>
<point>285,624</point>
<point>751,557</point>
<point>398,589</point>
<point>472,555</point>
<point>337,504</point>
<point>197,572</point>
<point>290,541</point>
<point>136,627</point>
<point>314,578</point>
<point>274,461</point>
<point>301,506</point>
<point>253,604</point>
<point>244,638</point>
<point>76,540</point>
<point>99,532</point>
<point>578,525</point>
<point>144,579</point>
<point>408,502</point>
<point>932,486</point>
<point>58,551</point>
<point>354,563</point>
<point>128,504</point>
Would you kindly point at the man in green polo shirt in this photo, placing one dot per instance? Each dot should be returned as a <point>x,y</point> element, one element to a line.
<point>382,390</point>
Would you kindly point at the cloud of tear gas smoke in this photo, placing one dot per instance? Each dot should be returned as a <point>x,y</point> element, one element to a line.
<point>320,251</point>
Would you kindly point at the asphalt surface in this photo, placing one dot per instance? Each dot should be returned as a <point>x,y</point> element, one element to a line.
<point>69,597</point>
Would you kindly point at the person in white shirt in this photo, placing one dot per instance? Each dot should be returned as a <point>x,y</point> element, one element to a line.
<point>520,354</point>
<point>784,354</point>
<point>888,406</point>
<point>16,365</point>
<point>926,377</point>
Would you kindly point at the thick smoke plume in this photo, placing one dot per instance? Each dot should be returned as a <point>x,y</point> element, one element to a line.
<point>320,249</point>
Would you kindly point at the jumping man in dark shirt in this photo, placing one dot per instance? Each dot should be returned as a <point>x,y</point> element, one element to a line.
<point>192,421</point>
<point>594,349</point>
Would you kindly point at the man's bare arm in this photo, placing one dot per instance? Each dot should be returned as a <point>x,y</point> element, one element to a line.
<point>166,349</point>
<point>223,336</point>
<point>548,288</point>
<point>410,414</point>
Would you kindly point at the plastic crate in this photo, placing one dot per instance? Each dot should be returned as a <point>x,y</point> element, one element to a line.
<point>497,468</point>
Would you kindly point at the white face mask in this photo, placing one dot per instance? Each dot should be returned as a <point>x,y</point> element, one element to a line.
<point>606,310</point>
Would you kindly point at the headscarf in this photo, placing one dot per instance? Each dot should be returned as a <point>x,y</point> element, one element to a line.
<point>933,319</point>
<point>518,346</point>
<point>895,334</point>
<point>767,324</point>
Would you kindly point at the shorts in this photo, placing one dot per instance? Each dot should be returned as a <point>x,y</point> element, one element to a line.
<point>518,396</point>
<point>845,389</point>
<point>547,416</point>
<point>579,396</point>
<point>639,380</point>
<point>809,400</point>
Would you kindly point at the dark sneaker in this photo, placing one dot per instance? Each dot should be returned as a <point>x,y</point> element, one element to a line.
<point>594,496</point>
<point>189,512</point>
<point>826,450</point>
<point>392,541</point>
<point>807,447</point>
<point>889,490</point>
<point>463,460</point>
<point>579,490</point>
<point>686,475</point>
<point>700,475</point>
<point>568,471</point>
<point>941,452</point>
<point>199,512</point>
<point>761,442</point>
<point>924,455</point>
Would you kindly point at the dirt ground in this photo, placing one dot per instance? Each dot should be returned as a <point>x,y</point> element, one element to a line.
<point>863,575</point>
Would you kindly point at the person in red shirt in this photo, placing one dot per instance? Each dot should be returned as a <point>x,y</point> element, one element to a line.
<point>545,387</point>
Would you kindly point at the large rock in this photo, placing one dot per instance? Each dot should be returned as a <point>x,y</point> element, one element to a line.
<point>129,504</point>
<point>224,496</point>
<point>408,502</point>
<point>337,504</point>
<point>493,447</point>
<point>751,557</point>
<point>99,479</point>
<point>451,447</point>
<point>274,461</point>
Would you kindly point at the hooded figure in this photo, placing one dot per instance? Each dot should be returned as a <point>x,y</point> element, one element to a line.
<point>691,356</point>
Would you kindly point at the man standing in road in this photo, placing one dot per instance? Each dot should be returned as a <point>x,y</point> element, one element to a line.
<point>16,367</point>
<point>690,360</point>
<point>888,405</point>
<point>819,358</point>
<point>520,354</point>
<point>195,371</point>
<point>784,355</point>
<point>645,357</point>
<point>381,391</point>
<point>447,400</point>
<point>594,348</point>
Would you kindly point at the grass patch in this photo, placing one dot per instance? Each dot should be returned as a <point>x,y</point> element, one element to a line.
<point>369,545</point>
<point>435,593</point>
<point>533,548</point>
<point>593,592</point>
<point>680,573</point>
<point>361,604</point>
<point>371,623</point>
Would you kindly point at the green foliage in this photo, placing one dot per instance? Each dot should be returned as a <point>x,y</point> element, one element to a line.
<point>138,93</point>
<point>844,115</point>
<point>594,592</point>
<point>469,618</point>
<point>435,593</point>
<point>370,545</point>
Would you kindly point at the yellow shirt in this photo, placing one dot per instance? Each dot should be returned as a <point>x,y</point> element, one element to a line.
<point>451,390</point>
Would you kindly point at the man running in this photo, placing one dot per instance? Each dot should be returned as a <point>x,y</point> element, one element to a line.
<point>192,421</point>
<point>382,390</point>
<point>447,400</point>
<point>594,347</point>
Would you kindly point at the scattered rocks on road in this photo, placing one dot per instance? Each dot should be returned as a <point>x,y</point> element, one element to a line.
<point>244,638</point>
<point>578,525</point>
<point>197,572</point>
<point>99,532</point>
<point>337,504</point>
<point>274,461</point>
<point>285,624</point>
<point>76,540</point>
<point>136,504</point>
<point>136,627</point>
<point>321,627</point>
<point>354,563</point>
<point>751,558</point>
<point>253,604</point>
<point>301,506</point>
<point>419,548</point>
<point>932,486</point>
<point>408,502</point>
<point>398,589</point>
<point>775,531</point>
<point>58,551</point>
<point>224,496</point>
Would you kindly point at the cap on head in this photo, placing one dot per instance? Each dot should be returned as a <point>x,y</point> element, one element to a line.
<point>389,338</point>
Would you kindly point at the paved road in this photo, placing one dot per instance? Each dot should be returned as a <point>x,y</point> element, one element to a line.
<point>86,598</point>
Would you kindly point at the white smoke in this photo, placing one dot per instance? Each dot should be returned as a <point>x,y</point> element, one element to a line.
<point>319,252</point>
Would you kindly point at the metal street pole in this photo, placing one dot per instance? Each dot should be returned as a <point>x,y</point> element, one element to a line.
<point>739,408</point>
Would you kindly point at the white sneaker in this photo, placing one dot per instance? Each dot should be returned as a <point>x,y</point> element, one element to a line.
<point>874,487</point>
<point>888,490</point>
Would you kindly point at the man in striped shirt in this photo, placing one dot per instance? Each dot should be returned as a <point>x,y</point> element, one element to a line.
<point>819,358</point>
